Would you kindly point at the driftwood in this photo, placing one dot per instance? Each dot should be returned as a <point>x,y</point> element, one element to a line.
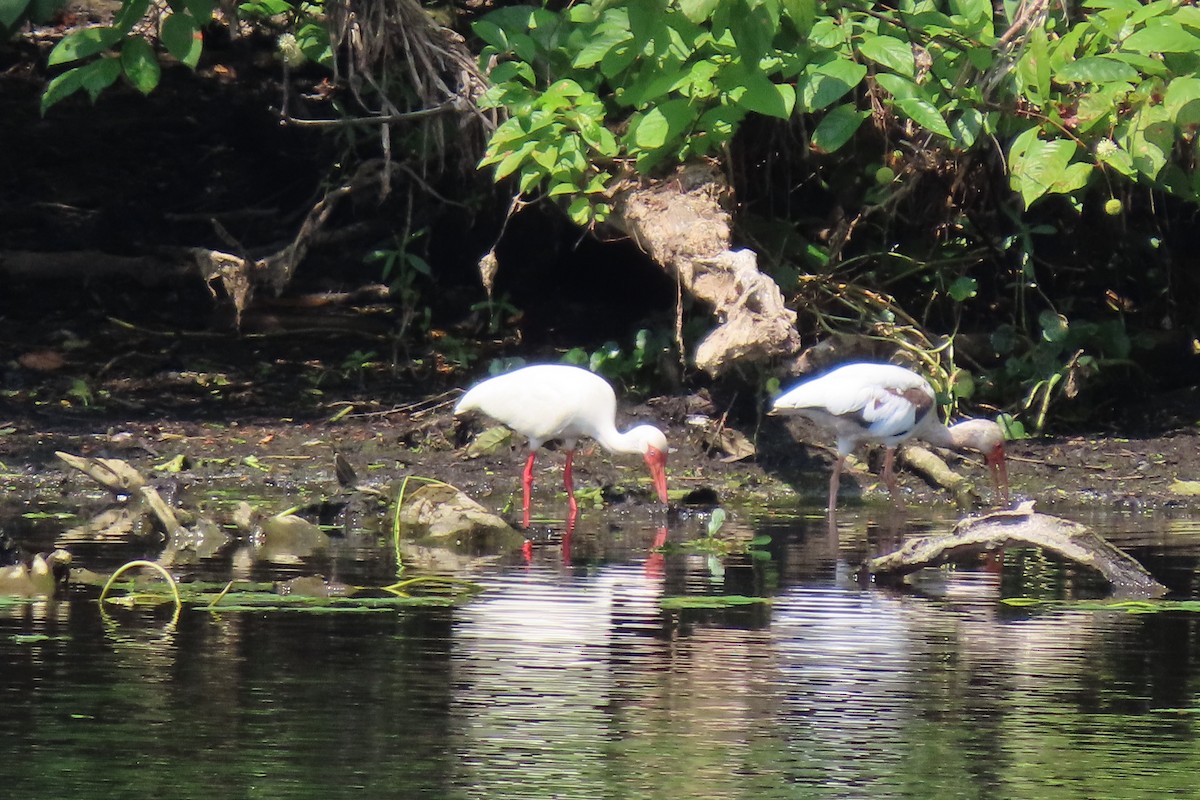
<point>120,478</point>
<point>1023,527</point>
<point>934,470</point>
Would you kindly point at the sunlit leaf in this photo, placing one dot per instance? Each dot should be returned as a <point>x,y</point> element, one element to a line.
<point>889,51</point>
<point>83,43</point>
<point>140,64</point>
<point>822,85</point>
<point>1161,36</point>
<point>1097,69</point>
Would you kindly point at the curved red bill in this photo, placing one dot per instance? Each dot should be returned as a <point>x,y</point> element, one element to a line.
<point>656,460</point>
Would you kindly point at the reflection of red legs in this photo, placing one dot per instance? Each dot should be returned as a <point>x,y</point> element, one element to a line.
<point>570,484</point>
<point>527,483</point>
<point>656,560</point>
<point>566,540</point>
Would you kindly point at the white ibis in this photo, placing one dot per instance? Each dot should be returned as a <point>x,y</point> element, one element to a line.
<point>557,401</point>
<point>884,403</point>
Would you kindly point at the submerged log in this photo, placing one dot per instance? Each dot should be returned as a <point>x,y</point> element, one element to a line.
<point>1019,528</point>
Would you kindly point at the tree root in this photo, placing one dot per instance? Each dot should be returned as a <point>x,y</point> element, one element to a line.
<point>681,223</point>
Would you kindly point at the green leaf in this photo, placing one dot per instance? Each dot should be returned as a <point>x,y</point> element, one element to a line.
<point>924,114</point>
<point>1149,136</point>
<point>132,12</point>
<point>83,43</point>
<point>62,86</point>
<point>889,51</point>
<point>1054,326</point>
<point>181,36</point>
<point>598,47</point>
<point>1161,36</point>
<point>1182,101</point>
<point>11,11</point>
<point>764,97</point>
<point>1118,159</point>
<point>963,288</point>
<point>822,85</point>
<point>898,87</point>
<point>802,13</point>
<point>646,21</point>
<point>973,10</point>
<point>201,10</point>
<point>1097,69</point>
<point>836,128</point>
<point>753,28</point>
<point>580,211</point>
<point>698,10</point>
<point>967,127</point>
<point>99,75</point>
<point>1035,165</point>
<point>661,124</point>
<point>266,8</point>
<point>140,65</point>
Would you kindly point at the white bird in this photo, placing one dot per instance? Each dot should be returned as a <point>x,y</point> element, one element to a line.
<point>556,401</point>
<point>884,403</point>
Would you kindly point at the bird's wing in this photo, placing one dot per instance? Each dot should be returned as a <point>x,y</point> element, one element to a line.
<point>883,400</point>
<point>888,411</point>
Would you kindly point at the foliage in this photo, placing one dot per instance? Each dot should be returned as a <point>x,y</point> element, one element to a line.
<point>404,268</point>
<point>629,368</point>
<point>971,137</point>
<point>14,13</point>
<point>125,48</point>
<point>602,85</point>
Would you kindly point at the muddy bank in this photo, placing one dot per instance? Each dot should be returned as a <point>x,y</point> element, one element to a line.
<point>291,452</point>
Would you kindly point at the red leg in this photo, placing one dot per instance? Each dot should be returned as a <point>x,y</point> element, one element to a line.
<point>889,473</point>
<point>527,483</point>
<point>834,481</point>
<point>569,482</point>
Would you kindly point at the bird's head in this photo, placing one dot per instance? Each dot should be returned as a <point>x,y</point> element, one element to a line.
<point>653,446</point>
<point>986,437</point>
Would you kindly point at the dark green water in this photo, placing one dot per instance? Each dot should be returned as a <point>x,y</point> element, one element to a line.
<point>573,681</point>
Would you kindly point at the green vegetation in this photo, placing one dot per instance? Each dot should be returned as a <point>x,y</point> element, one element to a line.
<point>993,188</point>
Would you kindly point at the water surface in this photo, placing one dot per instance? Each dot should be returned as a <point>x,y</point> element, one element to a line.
<point>571,680</point>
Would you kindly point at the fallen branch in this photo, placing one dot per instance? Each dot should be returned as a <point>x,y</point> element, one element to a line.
<point>1023,527</point>
<point>933,469</point>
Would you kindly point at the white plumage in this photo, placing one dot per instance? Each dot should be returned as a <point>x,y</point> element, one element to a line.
<point>546,402</point>
<point>887,404</point>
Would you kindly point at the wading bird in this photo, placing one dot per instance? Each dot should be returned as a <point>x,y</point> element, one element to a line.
<point>884,403</point>
<point>557,401</point>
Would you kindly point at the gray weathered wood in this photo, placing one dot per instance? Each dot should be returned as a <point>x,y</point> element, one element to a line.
<point>1023,527</point>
